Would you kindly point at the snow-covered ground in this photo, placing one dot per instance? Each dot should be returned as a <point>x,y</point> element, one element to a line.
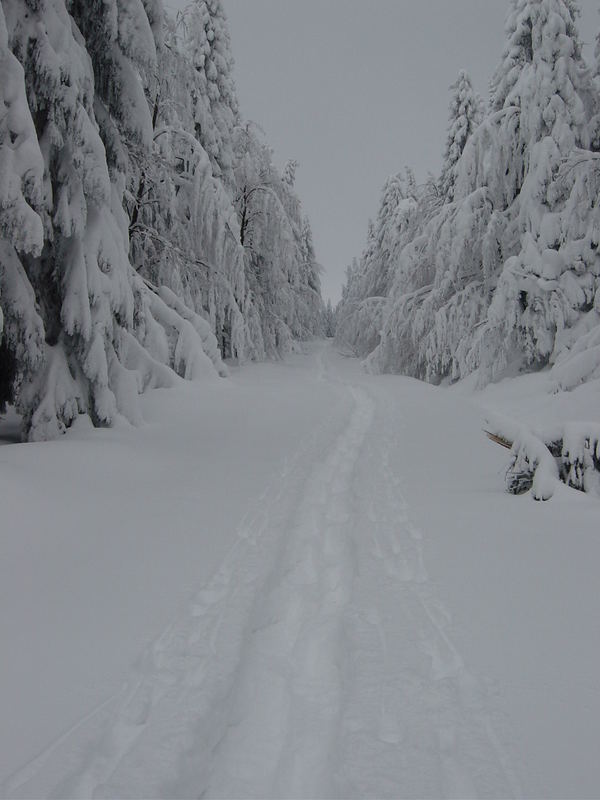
<point>302,581</point>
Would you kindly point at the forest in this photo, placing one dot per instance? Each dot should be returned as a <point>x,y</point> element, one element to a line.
<point>146,233</point>
<point>493,265</point>
<point>255,543</point>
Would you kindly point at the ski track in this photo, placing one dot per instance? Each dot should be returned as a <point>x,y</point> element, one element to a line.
<point>318,662</point>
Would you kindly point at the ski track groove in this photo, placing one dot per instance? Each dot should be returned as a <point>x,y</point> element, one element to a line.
<point>431,730</point>
<point>318,661</point>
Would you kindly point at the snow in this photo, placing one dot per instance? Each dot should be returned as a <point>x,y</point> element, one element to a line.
<point>310,582</point>
<point>499,265</point>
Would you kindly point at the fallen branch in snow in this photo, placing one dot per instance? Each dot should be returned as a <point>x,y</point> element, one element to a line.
<point>499,440</point>
<point>539,462</point>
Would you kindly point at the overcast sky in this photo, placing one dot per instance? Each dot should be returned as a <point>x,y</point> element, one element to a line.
<point>355,90</point>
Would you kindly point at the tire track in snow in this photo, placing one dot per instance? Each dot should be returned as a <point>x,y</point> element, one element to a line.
<point>291,689</point>
<point>274,727</point>
<point>175,714</point>
<point>318,662</point>
<point>415,722</point>
<point>142,691</point>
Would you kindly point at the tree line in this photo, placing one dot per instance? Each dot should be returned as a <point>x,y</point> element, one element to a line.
<point>145,231</point>
<point>493,266</point>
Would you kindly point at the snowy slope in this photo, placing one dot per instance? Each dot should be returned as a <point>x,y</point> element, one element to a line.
<point>313,584</point>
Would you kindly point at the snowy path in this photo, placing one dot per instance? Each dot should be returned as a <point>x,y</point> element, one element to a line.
<point>317,662</point>
<point>319,659</point>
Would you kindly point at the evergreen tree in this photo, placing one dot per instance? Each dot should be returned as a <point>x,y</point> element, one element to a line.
<point>329,321</point>
<point>289,173</point>
<point>80,277</point>
<point>360,315</point>
<point>550,282</point>
<point>141,227</point>
<point>465,116</point>
<point>396,213</point>
<point>182,218</point>
<point>282,273</point>
<point>120,40</point>
<point>506,269</point>
<point>214,98</point>
<point>21,229</point>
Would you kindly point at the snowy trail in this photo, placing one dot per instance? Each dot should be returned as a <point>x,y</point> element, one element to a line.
<point>290,690</point>
<point>317,662</point>
<point>416,722</point>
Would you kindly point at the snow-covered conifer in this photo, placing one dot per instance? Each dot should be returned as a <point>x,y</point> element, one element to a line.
<point>506,268</point>
<point>124,246</point>
<point>182,218</point>
<point>214,97</point>
<point>120,41</point>
<point>81,276</point>
<point>281,269</point>
<point>329,321</point>
<point>21,229</point>
<point>288,175</point>
<point>361,311</point>
<point>465,116</point>
<point>548,284</point>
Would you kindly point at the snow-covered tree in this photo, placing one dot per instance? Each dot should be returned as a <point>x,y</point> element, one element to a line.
<point>399,203</point>
<point>465,116</point>
<point>547,285</point>
<point>214,98</point>
<point>120,40</point>
<point>360,314</point>
<point>81,275</point>
<point>204,247</point>
<point>21,229</point>
<point>182,218</point>
<point>125,256</point>
<point>504,269</point>
<point>288,175</point>
<point>329,321</point>
<point>282,274</point>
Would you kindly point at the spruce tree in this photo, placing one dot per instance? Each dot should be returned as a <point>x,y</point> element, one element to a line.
<point>21,229</point>
<point>465,116</point>
<point>550,282</point>
<point>214,97</point>
<point>80,278</point>
<point>288,175</point>
<point>123,169</point>
<point>329,322</point>
<point>507,272</point>
<point>120,39</point>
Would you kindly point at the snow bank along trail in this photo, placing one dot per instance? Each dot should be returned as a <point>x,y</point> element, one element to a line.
<point>317,662</point>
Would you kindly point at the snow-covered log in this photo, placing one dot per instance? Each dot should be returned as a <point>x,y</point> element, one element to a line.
<point>532,466</point>
<point>539,459</point>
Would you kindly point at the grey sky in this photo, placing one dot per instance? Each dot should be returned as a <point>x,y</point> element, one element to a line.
<point>356,90</point>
